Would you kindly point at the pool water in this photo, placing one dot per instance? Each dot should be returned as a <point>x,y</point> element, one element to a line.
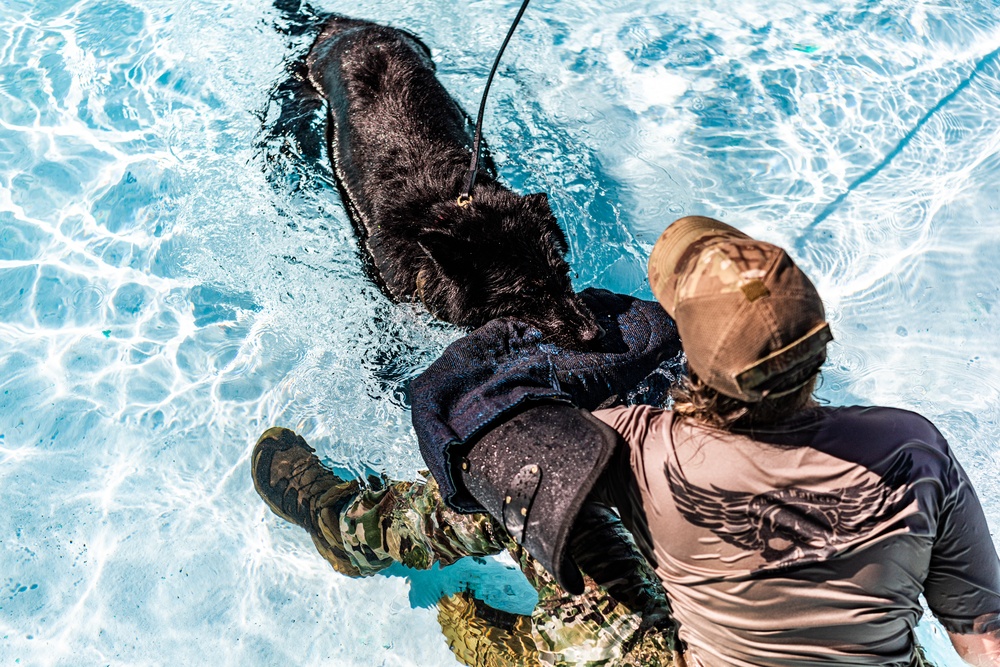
<point>166,295</point>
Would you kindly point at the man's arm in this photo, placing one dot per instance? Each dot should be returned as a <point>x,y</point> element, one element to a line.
<point>979,650</point>
<point>962,587</point>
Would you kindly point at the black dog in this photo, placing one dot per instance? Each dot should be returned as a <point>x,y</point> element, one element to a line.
<point>400,148</point>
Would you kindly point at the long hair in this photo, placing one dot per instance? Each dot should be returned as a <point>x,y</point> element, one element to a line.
<point>696,400</point>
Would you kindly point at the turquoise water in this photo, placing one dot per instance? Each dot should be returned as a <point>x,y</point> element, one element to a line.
<point>162,302</point>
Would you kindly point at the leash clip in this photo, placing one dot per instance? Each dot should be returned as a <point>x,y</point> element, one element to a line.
<point>463,200</point>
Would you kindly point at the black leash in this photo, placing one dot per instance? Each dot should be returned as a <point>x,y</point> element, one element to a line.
<point>466,197</point>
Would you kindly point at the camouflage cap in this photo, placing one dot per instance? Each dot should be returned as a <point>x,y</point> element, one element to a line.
<point>751,323</point>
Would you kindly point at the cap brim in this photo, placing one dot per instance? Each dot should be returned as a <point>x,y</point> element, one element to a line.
<point>670,253</point>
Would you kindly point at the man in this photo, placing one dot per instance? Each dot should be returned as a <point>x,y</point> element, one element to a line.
<point>787,533</point>
<point>617,614</point>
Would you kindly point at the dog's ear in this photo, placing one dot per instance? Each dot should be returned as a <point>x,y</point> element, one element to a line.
<point>538,202</point>
<point>447,251</point>
<point>557,240</point>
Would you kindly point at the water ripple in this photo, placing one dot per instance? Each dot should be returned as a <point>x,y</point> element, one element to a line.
<point>162,302</point>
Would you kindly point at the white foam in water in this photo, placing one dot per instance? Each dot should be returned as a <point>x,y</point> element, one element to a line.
<point>161,303</point>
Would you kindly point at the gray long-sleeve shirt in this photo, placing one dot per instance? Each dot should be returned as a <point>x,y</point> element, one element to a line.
<point>809,544</point>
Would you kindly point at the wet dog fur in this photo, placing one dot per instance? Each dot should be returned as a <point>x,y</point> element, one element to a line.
<point>400,147</point>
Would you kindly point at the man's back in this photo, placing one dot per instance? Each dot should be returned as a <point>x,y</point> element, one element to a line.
<point>810,543</point>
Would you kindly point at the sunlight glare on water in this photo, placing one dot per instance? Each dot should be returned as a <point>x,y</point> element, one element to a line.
<point>162,302</point>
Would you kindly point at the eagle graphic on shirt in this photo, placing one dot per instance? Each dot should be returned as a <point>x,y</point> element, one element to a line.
<point>792,526</point>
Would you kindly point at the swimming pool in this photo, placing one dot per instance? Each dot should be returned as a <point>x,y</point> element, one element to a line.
<point>162,302</point>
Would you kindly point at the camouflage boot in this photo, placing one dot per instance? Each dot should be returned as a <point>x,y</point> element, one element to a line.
<point>301,490</point>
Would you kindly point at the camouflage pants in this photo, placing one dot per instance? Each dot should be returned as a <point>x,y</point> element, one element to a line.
<point>367,529</point>
<point>362,530</point>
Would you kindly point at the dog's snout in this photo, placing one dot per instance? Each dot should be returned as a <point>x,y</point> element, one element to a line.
<point>592,334</point>
<point>589,331</point>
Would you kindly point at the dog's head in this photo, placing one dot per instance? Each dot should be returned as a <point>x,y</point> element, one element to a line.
<point>503,255</point>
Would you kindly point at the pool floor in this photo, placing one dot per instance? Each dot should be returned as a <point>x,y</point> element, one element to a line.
<point>167,291</point>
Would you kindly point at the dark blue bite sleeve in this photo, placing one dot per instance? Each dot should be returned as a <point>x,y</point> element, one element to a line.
<point>482,378</point>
